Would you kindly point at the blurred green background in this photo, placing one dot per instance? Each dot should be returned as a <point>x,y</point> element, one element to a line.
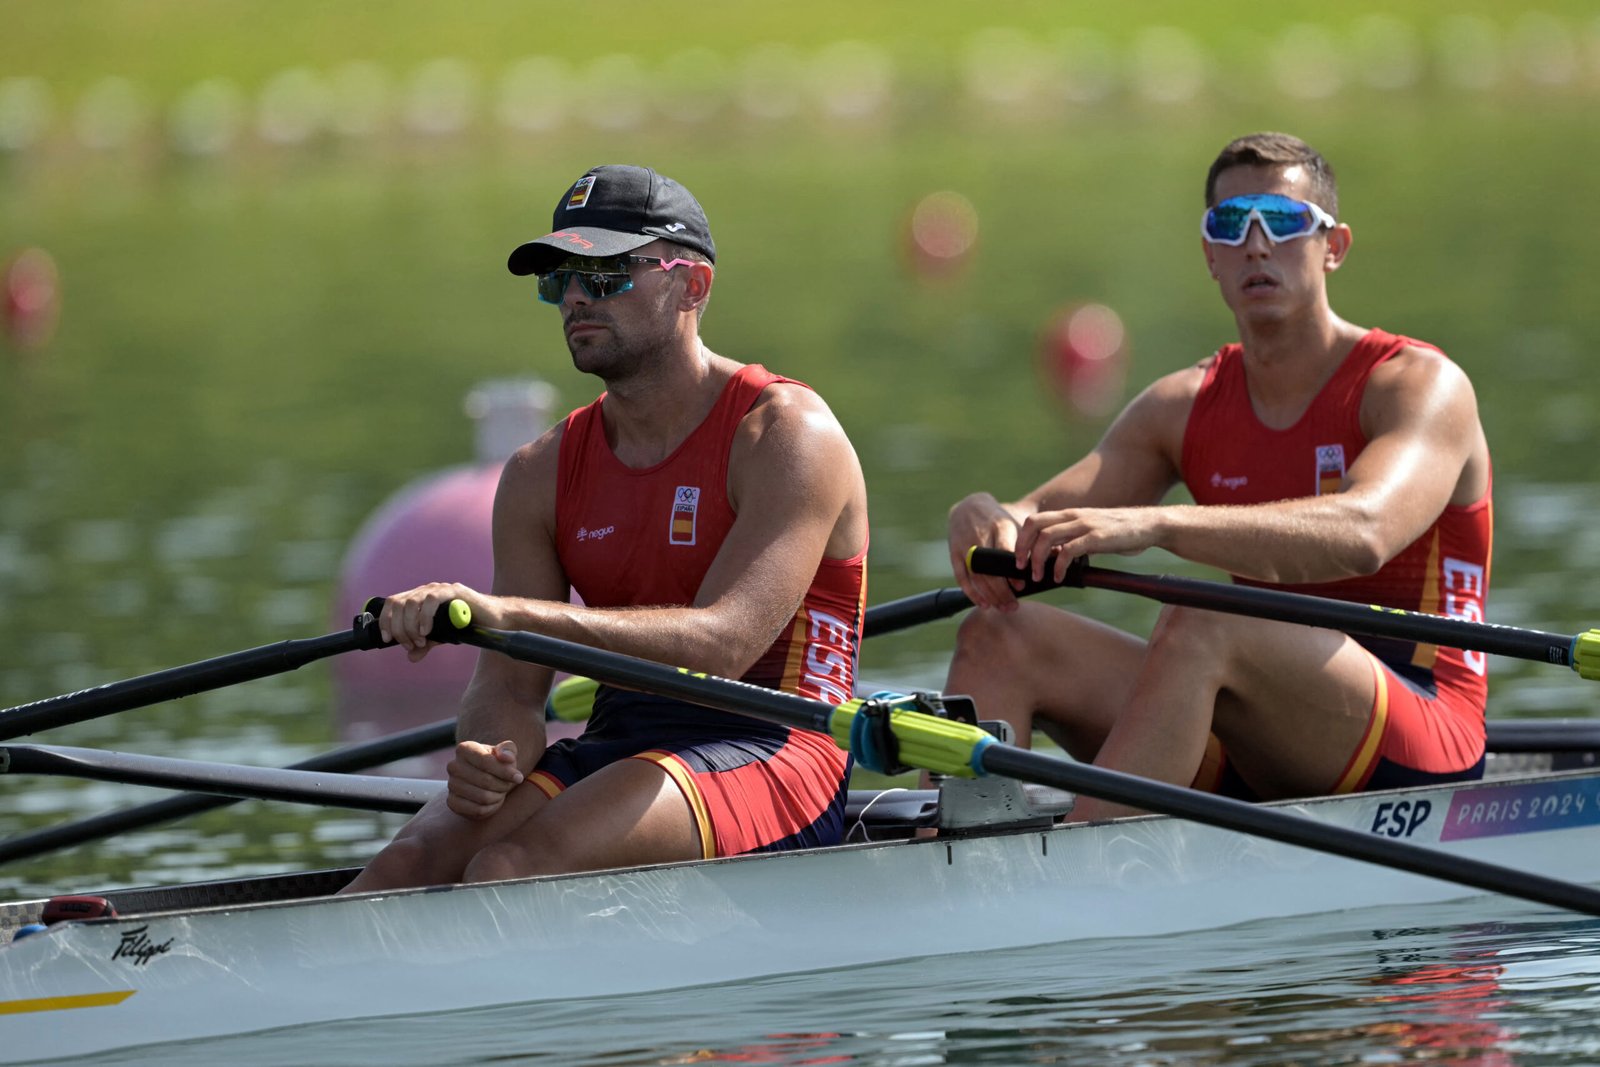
<point>279,232</point>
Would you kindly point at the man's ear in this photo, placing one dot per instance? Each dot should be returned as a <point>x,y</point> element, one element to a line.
<point>697,289</point>
<point>1339,240</point>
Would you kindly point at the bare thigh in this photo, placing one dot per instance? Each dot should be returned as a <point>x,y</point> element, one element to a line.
<point>1293,702</point>
<point>1043,668</point>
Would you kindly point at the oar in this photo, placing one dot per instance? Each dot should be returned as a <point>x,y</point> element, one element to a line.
<point>945,746</point>
<point>286,656</point>
<point>1544,735</point>
<point>183,681</point>
<point>568,701</point>
<point>1581,652</point>
<point>349,758</point>
<point>364,791</point>
<point>913,610</point>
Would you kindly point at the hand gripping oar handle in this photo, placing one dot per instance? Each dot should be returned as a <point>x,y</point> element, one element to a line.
<point>1581,652</point>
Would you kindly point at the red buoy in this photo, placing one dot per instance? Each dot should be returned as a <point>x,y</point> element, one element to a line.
<point>30,299</point>
<point>1083,354</point>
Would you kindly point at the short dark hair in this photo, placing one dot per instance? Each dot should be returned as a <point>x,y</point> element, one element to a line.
<point>694,255</point>
<point>1277,150</point>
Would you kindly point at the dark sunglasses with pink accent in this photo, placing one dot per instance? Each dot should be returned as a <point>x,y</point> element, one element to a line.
<point>599,278</point>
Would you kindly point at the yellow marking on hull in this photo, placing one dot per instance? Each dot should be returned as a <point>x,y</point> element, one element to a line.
<point>82,1000</point>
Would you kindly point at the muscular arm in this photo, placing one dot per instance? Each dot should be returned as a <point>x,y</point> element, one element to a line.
<point>1425,449</point>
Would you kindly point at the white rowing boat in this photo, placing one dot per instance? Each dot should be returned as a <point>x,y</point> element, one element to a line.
<point>222,958</point>
<point>233,957</point>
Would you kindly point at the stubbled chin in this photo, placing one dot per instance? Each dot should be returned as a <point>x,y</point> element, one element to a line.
<point>1261,309</point>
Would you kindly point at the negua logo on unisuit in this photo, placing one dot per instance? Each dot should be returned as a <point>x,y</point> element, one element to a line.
<point>586,534</point>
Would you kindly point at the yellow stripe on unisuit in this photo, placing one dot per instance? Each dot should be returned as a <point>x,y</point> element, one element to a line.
<point>1368,749</point>
<point>1425,656</point>
<point>82,1000</point>
<point>797,651</point>
<point>691,792</point>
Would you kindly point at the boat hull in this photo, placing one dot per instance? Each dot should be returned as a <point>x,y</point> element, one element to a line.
<point>83,987</point>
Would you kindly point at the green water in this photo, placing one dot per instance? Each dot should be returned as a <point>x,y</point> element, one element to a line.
<point>258,347</point>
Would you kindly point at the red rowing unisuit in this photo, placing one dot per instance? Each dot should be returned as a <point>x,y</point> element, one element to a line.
<point>630,537</point>
<point>1230,457</point>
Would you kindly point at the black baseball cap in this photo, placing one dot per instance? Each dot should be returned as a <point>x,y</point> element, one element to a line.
<point>614,209</point>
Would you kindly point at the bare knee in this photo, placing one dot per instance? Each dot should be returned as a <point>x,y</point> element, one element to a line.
<point>992,639</point>
<point>1191,636</point>
<point>499,861</point>
<point>404,862</point>
<point>537,847</point>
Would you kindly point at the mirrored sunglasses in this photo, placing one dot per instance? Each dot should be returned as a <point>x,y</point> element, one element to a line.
<point>598,278</point>
<point>1282,218</point>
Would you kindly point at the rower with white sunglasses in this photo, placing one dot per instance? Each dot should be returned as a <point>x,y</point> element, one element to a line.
<point>1321,457</point>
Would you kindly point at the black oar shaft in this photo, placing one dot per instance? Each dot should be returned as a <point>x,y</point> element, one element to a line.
<point>1285,827</point>
<point>365,792</point>
<point>175,682</point>
<point>615,669</point>
<point>358,757</point>
<point>284,656</point>
<point>912,611</point>
<point>1545,736</point>
<point>1369,619</point>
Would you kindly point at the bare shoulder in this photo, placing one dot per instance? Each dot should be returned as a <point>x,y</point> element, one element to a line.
<point>1418,381</point>
<point>1161,410</point>
<point>528,480</point>
<point>1419,364</point>
<point>1179,387</point>
<point>539,456</point>
<point>794,463</point>
<point>787,413</point>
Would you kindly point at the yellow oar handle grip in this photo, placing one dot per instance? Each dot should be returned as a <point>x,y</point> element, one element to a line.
<point>572,699</point>
<point>1586,655</point>
<point>943,746</point>
<point>457,613</point>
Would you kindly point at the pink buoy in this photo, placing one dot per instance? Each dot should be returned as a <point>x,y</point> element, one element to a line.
<point>435,529</point>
